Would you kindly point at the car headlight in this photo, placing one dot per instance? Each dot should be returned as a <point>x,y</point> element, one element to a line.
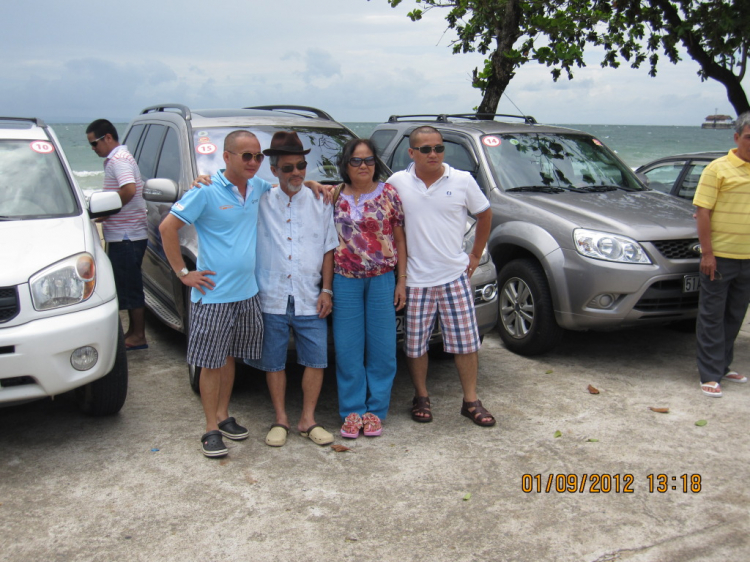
<point>67,282</point>
<point>609,247</point>
<point>469,237</point>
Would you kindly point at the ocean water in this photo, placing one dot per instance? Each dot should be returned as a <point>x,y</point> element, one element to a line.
<point>634,144</point>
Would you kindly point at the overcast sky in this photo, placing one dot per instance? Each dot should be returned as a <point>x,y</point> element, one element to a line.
<point>78,60</point>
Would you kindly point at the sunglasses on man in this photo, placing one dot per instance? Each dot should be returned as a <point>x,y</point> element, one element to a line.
<point>248,156</point>
<point>438,148</point>
<point>287,168</point>
<point>94,142</point>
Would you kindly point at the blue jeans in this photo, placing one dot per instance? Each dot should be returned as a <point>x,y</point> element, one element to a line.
<point>310,340</point>
<point>364,332</point>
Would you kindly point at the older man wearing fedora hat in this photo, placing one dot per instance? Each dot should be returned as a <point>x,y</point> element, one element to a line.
<point>294,269</point>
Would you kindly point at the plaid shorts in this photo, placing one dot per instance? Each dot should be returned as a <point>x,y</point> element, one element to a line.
<point>454,302</point>
<point>221,330</point>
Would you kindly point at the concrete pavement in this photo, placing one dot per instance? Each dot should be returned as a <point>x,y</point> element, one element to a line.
<point>135,486</point>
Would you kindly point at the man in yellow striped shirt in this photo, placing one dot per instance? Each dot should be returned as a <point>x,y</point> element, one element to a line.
<point>723,216</point>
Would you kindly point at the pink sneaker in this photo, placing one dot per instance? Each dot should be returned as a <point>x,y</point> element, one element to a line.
<point>351,427</point>
<point>372,425</point>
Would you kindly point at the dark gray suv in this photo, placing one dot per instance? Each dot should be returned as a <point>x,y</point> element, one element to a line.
<point>174,144</point>
<point>579,242</point>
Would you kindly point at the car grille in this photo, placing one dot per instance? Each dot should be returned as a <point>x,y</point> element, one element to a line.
<point>678,249</point>
<point>667,296</point>
<point>8,303</point>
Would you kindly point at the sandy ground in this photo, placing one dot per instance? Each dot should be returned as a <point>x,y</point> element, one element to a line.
<point>136,487</point>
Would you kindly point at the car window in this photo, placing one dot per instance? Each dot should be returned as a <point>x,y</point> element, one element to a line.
<point>134,135</point>
<point>565,161</point>
<point>169,159</point>
<point>401,158</point>
<point>690,181</point>
<point>325,146</point>
<point>33,182</point>
<point>150,150</point>
<point>381,139</point>
<point>663,176</point>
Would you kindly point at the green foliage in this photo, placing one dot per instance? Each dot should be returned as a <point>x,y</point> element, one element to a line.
<point>638,32</point>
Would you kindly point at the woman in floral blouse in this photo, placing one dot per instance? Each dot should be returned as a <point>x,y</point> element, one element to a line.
<point>369,220</point>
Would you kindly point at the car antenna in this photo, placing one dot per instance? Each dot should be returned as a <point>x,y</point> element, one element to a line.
<point>514,105</point>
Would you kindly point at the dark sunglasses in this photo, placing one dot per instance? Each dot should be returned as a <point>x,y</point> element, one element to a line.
<point>438,148</point>
<point>248,156</point>
<point>286,168</point>
<point>357,162</point>
<point>94,142</point>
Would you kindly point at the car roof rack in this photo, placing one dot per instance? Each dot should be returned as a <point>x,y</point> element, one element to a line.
<point>295,109</point>
<point>181,109</point>
<point>445,117</point>
<point>38,122</point>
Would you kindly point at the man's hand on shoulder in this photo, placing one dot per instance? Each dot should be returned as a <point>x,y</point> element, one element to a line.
<point>199,279</point>
<point>201,180</point>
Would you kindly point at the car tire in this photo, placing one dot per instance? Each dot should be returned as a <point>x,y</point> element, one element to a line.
<point>105,396</point>
<point>194,372</point>
<point>526,316</point>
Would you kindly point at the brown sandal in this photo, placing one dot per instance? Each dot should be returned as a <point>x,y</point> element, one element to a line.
<point>420,409</point>
<point>479,415</point>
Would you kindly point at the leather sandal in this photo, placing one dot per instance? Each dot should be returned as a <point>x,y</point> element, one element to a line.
<point>420,409</point>
<point>479,415</point>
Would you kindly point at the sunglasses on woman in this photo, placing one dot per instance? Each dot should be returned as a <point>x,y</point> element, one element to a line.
<point>357,162</point>
<point>248,156</point>
<point>286,168</point>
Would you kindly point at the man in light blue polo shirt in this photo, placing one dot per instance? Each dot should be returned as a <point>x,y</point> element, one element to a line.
<point>225,319</point>
<point>296,239</point>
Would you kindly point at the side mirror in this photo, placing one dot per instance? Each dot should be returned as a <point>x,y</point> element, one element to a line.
<point>104,203</point>
<point>160,190</point>
<point>643,178</point>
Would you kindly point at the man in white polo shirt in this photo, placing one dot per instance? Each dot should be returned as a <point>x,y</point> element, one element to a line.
<point>126,231</point>
<point>437,200</point>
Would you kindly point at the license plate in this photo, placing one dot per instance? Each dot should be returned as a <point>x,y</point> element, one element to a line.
<point>400,321</point>
<point>691,283</point>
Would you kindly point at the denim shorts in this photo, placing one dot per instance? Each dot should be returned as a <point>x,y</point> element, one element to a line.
<point>126,258</point>
<point>310,339</point>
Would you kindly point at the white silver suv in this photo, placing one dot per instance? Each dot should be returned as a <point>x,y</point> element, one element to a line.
<point>59,320</point>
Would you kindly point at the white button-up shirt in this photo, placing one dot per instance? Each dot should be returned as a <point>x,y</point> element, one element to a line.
<point>293,236</point>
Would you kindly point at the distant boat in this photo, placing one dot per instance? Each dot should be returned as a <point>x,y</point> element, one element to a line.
<point>718,122</point>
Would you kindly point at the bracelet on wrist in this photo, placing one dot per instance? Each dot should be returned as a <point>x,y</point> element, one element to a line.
<point>327,291</point>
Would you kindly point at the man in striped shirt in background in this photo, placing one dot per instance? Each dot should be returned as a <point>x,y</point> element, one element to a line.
<point>126,231</point>
<point>722,200</point>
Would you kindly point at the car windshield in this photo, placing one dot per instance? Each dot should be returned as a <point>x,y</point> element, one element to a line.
<point>325,145</point>
<point>553,163</point>
<point>33,183</point>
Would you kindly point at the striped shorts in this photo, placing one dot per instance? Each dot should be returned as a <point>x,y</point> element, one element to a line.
<point>454,302</point>
<point>221,330</point>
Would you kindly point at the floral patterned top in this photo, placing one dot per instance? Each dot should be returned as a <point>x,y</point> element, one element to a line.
<point>366,244</point>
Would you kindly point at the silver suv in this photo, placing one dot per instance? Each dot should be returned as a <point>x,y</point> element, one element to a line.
<point>578,241</point>
<point>59,320</point>
<point>173,144</point>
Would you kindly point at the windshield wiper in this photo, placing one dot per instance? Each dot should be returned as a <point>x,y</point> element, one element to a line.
<point>537,189</point>
<point>593,188</point>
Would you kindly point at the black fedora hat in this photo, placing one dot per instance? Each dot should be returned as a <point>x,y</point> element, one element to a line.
<point>284,142</point>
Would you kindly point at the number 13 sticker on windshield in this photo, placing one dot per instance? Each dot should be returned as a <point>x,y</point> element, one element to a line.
<point>206,148</point>
<point>491,141</point>
<point>42,147</point>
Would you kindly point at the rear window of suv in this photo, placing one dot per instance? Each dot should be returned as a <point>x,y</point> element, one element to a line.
<point>325,145</point>
<point>33,182</point>
<point>570,162</point>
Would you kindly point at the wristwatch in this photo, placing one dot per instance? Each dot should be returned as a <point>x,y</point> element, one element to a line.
<point>183,272</point>
<point>327,291</point>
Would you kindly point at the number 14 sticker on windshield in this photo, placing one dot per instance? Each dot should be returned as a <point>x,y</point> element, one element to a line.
<point>491,140</point>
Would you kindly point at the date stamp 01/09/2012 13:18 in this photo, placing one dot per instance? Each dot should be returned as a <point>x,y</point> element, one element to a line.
<point>605,483</point>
